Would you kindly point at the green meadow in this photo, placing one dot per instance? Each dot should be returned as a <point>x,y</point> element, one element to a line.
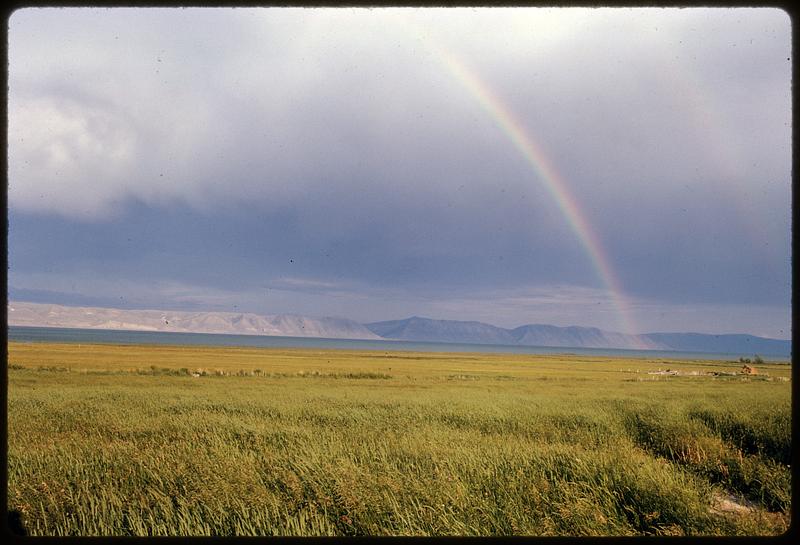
<point>182,441</point>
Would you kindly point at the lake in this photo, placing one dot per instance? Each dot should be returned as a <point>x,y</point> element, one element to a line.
<point>107,336</point>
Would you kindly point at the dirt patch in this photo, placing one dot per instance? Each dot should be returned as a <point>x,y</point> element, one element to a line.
<point>727,503</point>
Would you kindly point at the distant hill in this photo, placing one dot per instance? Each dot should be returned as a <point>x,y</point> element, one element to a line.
<point>288,325</point>
<point>411,329</point>
<point>586,337</point>
<point>449,331</point>
<point>453,331</point>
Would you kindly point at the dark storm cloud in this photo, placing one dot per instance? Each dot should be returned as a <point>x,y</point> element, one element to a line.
<point>255,248</point>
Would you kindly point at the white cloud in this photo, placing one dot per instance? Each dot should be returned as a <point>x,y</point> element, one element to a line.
<point>68,155</point>
<point>265,106</point>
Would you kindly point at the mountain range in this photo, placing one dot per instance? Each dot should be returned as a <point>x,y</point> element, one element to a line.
<point>425,329</point>
<point>284,325</point>
<point>410,329</point>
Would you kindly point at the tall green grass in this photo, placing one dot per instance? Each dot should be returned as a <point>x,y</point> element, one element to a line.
<point>397,447</point>
<point>685,439</point>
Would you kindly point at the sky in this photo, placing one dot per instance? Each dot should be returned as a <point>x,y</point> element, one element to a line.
<point>627,169</point>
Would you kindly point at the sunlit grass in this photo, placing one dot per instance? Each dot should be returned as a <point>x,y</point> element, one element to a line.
<point>126,440</point>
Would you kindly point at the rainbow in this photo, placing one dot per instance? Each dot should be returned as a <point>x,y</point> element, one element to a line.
<point>555,184</point>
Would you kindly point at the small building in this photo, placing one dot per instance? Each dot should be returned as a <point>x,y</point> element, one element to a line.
<point>747,370</point>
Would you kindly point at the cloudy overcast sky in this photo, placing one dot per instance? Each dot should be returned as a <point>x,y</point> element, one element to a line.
<point>380,163</point>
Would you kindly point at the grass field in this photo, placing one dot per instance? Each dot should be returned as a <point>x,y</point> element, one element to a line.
<point>160,440</point>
